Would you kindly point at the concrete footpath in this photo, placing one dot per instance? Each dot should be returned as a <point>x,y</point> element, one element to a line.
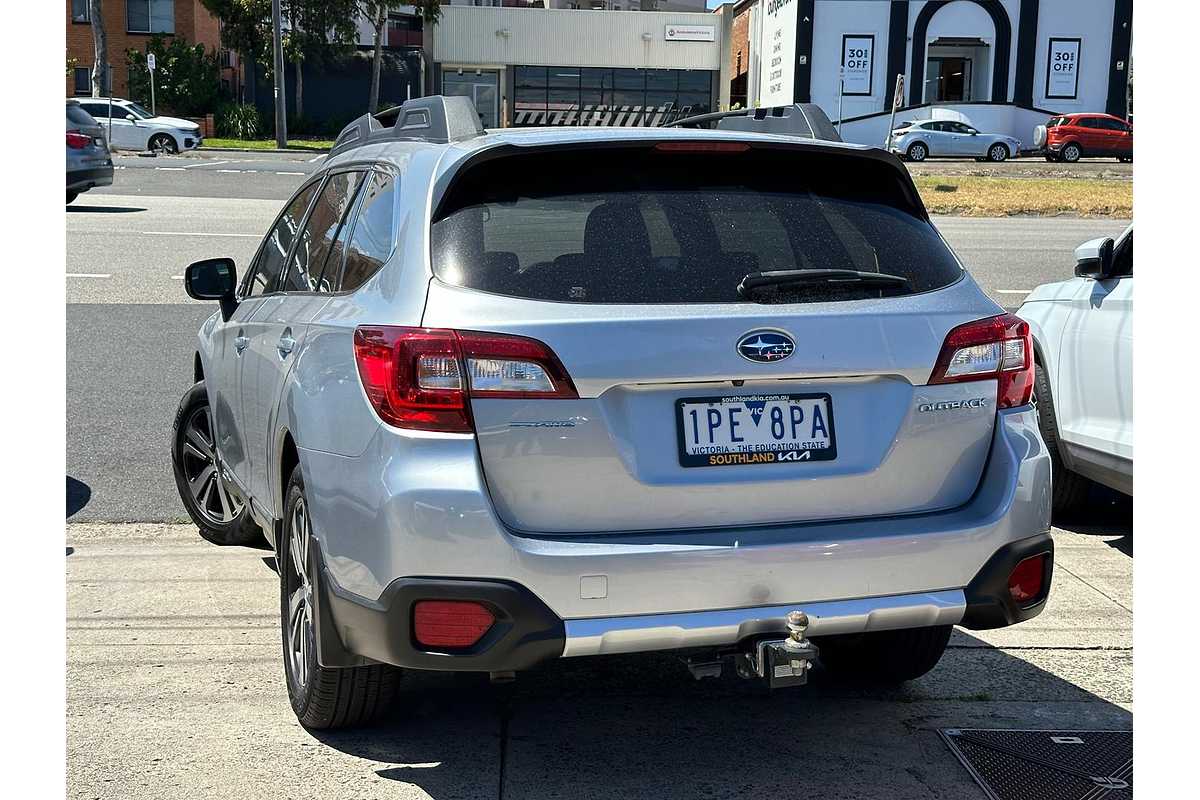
<point>175,689</point>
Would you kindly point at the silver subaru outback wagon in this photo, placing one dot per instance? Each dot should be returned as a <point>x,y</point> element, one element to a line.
<point>499,398</point>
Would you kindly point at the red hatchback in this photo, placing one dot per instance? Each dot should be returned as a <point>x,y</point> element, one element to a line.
<point>1070,137</point>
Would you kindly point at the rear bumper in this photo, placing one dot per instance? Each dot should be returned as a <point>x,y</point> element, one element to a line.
<point>385,516</point>
<point>81,180</point>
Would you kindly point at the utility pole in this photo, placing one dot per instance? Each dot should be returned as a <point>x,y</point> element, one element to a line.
<point>280,94</point>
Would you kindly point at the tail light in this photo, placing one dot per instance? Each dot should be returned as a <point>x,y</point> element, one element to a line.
<point>450,623</point>
<point>1025,582</point>
<point>422,378</point>
<point>77,140</point>
<point>999,348</point>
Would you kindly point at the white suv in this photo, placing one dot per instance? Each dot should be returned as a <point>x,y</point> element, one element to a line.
<point>1083,340</point>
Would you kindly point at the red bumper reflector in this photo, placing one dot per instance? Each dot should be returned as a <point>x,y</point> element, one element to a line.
<point>450,623</point>
<point>1025,581</point>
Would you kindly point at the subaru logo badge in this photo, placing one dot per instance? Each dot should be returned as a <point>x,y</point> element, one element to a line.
<point>765,346</point>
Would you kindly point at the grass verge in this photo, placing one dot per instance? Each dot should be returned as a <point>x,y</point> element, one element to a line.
<point>269,144</point>
<point>1001,197</point>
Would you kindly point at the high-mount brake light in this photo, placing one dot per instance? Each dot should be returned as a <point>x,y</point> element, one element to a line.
<point>77,140</point>
<point>999,348</point>
<point>702,147</point>
<point>422,378</point>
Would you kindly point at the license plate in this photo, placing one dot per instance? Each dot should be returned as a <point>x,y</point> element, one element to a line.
<point>756,429</point>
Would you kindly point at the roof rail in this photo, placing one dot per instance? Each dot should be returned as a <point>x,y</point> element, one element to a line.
<point>435,119</point>
<point>806,120</point>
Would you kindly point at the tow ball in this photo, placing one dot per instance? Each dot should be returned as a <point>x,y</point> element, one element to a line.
<point>781,662</point>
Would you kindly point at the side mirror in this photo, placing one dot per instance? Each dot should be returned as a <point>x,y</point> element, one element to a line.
<point>131,118</point>
<point>1094,258</point>
<point>213,279</point>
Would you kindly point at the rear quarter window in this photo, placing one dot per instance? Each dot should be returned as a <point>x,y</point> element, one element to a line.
<point>77,116</point>
<point>637,225</point>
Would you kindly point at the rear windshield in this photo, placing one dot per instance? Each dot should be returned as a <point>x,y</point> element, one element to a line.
<point>77,116</point>
<point>640,225</point>
<point>1055,122</point>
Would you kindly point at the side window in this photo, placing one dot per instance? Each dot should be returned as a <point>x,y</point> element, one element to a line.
<point>264,273</point>
<point>1123,257</point>
<point>373,237</point>
<point>304,272</point>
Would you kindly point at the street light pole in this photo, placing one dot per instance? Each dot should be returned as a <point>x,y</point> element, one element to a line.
<point>280,94</point>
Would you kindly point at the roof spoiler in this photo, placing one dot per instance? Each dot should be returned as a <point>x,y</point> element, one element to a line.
<point>434,119</point>
<point>806,120</point>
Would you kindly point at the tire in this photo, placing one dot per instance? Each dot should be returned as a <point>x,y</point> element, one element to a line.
<point>998,152</point>
<point>1052,158</point>
<point>221,517</point>
<point>71,197</point>
<point>917,151</point>
<point>321,697</point>
<point>1070,489</point>
<point>1071,153</point>
<point>163,143</point>
<point>884,657</point>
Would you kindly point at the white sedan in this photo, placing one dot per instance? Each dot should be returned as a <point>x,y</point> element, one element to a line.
<point>135,128</point>
<point>1083,385</point>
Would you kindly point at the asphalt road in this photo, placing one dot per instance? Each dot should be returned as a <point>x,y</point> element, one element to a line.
<point>175,688</point>
<point>131,330</point>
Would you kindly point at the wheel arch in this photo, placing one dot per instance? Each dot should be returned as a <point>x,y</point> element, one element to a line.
<point>197,368</point>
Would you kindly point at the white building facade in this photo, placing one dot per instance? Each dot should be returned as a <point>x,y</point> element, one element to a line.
<point>1003,65</point>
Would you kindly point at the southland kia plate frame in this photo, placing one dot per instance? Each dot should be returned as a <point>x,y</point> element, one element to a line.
<point>702,459</point>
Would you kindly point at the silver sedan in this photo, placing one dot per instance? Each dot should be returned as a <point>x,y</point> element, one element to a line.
<point>917,141</point>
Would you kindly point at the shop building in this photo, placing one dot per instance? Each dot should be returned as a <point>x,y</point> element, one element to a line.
<point>1002,65</point>
<point>535,67</point>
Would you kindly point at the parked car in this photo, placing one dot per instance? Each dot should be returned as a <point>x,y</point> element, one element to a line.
<point>88,161</point>
<point>1083,344</point>
<point>917,140</point>
<point>497,398</point>
<point>135,128</point>
<point>1070,137</point>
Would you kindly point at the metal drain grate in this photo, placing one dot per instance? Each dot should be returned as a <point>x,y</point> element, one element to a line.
<point>1046,765</point>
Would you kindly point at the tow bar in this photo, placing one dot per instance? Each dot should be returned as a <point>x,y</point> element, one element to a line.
<point>780,662</point>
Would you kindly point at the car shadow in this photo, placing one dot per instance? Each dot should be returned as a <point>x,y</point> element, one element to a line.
<point>640,726</point>
<point>102,210</point>
<point>1107,514</point>
<point>78,495</point>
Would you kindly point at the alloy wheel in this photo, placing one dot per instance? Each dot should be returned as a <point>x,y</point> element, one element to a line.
<point>998,152</point>
<point>207,486</point>
<point>162,144</point>
<point>300,637</point>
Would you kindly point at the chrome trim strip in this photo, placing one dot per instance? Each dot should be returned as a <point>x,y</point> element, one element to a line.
<point>603,635</point>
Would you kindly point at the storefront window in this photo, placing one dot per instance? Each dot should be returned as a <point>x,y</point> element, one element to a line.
<point>608,97</point>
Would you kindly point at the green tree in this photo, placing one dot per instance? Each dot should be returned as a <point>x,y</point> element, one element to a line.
<point>318,30</point>
<point>376,12</point>
<point>187,79</point>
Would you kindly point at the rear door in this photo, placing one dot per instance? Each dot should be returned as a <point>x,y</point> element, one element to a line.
<point>936,137</point>
<point>277,333</point>
<point>697,405</point>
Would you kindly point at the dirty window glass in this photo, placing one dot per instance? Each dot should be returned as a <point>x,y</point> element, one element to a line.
<point>373,237</point>
<point>269,264</point>
<point>313,248</point>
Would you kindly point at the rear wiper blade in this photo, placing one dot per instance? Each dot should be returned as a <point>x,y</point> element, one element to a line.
<point>827,277</point>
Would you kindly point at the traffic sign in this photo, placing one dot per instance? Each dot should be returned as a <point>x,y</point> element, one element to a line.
<point>150,61</point>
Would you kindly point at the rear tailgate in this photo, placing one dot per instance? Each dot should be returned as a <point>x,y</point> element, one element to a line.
<point>628,270</point>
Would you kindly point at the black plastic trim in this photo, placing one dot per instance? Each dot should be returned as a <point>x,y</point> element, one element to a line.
<point>989,604</point>
<point>352,629</point>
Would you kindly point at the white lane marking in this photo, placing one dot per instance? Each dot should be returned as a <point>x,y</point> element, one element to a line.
<point>187,233</point>
<point>171,169</point>
<point>205,164</point>
<point>230,170</point>
<point>89,274</point>
<point>176,277</point>
<point>289,173</point>
<point>1013,291</point>
<point>318,158</point>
